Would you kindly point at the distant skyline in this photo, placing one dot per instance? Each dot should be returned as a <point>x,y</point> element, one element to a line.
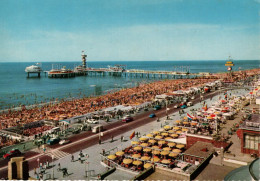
<point>58,30</point>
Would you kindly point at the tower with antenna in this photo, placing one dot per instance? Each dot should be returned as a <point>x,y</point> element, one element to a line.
<point>84,56</point>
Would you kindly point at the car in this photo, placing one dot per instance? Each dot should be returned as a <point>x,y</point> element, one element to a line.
<point>127,118</point>
<point>13,153</point>
<point>92,121</point>
<point>64,141</point>
<point>53,141</point>
<point>157,107</point>
<point>183,106</point>
<point>152,115</point>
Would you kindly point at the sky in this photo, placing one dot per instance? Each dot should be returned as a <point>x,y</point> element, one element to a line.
<point>58,30</point>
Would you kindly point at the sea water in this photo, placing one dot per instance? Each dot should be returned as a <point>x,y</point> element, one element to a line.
<point>16,89</point>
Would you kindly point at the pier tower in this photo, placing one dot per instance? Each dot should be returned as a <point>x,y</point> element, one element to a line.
<point>84,56</point>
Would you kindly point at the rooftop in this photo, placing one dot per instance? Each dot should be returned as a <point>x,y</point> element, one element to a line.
<point>200,149</point>
<point>252,123</point>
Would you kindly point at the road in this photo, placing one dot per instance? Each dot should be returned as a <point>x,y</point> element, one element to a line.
<point>87,139</point>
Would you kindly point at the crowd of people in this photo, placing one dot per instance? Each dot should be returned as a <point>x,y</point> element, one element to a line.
<point>37,130</point>
<point>129,96</point>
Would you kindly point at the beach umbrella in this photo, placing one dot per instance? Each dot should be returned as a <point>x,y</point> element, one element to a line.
<point>155,159</point>
<point>156,152</point>
<point>184,129</point>
<point>155,147</point>
<point>165,161</point>
<point>185,117</point>
<point>167,127</point>
<point>158,137</point>
<point>134,142</point>
<point>148,165</point>
<point>156,132</point>
<point>167,149</point>
<point>165,152</point>
<point>209,117</point>
<point>176,128</point>
<point>176,150</point>
<point>147,150</point>
<point>178,121</point>
<point>143,139</point>
<point>180,146</point>
<point>171,144</point>
<point>138,148</point>
<point>194,124</point>
<point>111,157</point>
<point>152,141</point>
<point>168,138</point>
<point>136,155</point>
<point>120,153</point>
<point>171,131</point>
<point>145,158</point>
<point>174,135</point>
<point>149,135</point>
<point>164,134</point>
<point>144,144</point>
<point>185,122</point>
<point>178,132</point>
<point>137,162</point>
<point>127,161</point>
<point>173,154</point>
<point>161,142</point>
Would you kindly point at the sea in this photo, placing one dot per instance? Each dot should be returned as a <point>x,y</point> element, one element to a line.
<point>16,89</point>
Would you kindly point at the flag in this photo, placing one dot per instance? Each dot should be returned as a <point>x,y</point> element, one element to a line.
<point>189,116</point>
<point>132,135</point>
<point>206,108</point>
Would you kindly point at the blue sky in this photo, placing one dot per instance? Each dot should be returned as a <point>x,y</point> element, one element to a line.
<point>58,30</point>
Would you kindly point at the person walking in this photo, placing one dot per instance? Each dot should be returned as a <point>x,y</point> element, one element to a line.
<point>112,138</point>
<point>72,158</point>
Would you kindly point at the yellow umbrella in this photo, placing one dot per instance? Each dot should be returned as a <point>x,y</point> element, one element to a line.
<point>167,127</point>
<point>165,134</point>
<point>143,139</point>
<point>185,117</point>
<point>158,137</point>
<point>171,131</point>
<point>152,141</point>
<point>137,162</point>
<point>156,147</point>
<point>136,156</point>
<point>156,152</point>
<point>155,159</point>
<point>167,149</point>
<point>135,143</point>
<point>178,132</point>
<point>149,135</point>
<point>127,161</point>
<point>176,128</point>
<point>145,158</point>
<point>165,161</point>
<point>173,154</point>
<point>171,144</point>
<point>148,165</point>
<point>144,144</point>
<point>111,157</point>
<point>156,132</point>
<point>176,150</point>
<point>185,122</point>
<point>184,129</point>
<point>120,153</point>
<point>180,146</point>
<point>168,138</point>
<point>178,121</point>
<point>147,149</point>
<point>164,152</point>
<point>193,124</point>
<point>161,142</point>
<point>209,117</point>
<point>138,148</point>
<point>174,135</point>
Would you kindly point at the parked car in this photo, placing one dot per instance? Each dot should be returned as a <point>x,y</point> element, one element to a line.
<point>53,141</point>
<point>157,107</point>
<point>64,141</point>
<point>12,153</point>
<point>127,118</point>
<point>92,121</point>
<point>183,106</point>
<point>152,115</point>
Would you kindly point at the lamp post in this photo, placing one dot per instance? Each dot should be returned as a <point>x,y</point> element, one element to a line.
<point>52,158</point>
<point>38,160</point>
<point>99,131</point>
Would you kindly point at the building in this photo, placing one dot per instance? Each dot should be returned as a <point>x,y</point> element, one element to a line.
<point>198,153</point>
<point>249,134</point>
<point>18,169</point>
